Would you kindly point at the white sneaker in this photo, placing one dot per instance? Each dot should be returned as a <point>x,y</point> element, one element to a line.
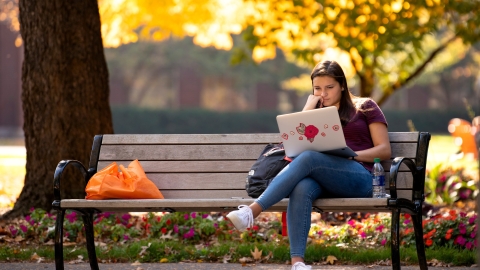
<point>242,218</point>
<point>300,266</point>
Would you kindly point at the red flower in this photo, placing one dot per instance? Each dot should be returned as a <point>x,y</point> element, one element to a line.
<point>311,131</point>
<point>164,230</point>
<point>428,242</point>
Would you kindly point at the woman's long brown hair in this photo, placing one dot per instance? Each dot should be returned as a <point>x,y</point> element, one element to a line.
<point>333,69</point>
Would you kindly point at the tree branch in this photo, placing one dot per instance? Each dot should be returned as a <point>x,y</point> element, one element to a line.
<point>400,83</point>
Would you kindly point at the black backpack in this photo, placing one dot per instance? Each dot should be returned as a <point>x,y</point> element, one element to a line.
<point>271,161</point>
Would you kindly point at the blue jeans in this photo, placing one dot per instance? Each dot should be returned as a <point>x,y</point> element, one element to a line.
<point>309,176</point>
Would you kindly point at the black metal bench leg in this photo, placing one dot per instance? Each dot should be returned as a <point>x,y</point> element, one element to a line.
<point>395,236</point>
<point>89,236</point>
<point>417,226</point>
<point>59,240</point>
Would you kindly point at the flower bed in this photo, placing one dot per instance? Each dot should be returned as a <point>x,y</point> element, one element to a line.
<point>447,227</point>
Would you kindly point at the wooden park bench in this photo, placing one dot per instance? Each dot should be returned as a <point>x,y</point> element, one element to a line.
<point>207,172</point>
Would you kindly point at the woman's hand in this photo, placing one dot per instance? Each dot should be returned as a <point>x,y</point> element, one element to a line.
<point>312,102</point>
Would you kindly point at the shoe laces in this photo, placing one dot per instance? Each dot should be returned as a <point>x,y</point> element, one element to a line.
<point>246,214</point>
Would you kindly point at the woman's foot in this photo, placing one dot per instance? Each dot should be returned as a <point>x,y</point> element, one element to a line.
<point>242,218</point>
<point>300,266</point>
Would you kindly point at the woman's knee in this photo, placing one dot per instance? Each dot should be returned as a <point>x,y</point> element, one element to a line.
<point>306,188</point>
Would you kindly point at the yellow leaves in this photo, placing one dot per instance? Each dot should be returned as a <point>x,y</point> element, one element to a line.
<point>263,53</point>
<point>210,22</point>
<point>354,31</point>
<point>331,13</point>
<point>361,19</point>
<point>369,44</point>
<point>397,6</point>
<point>382,29</point>
<point>423,15</point>
<point>163,260</point>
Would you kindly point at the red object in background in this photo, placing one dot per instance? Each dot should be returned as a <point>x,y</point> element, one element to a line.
<point>284,224</point>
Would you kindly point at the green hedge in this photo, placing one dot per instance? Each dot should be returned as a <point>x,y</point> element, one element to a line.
<point>131,120</point>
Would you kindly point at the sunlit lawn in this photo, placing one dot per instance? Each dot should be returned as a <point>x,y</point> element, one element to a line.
<point>12,164</point>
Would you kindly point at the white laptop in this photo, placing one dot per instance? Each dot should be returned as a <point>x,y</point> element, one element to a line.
<point>319,130</point>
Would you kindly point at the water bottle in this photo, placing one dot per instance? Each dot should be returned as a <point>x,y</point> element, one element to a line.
<point>378,177</point>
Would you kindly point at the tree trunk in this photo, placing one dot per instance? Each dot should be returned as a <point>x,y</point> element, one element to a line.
<point>64,95</point>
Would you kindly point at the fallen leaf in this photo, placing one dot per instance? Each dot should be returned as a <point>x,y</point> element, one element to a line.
<point>226,258</point>
<point>19,238</point>
<point>167,236</point>
<point>244,260</point>
<point>164,260</point>
<point>49,243</point>
<point>136,263</point>
<point>331,259</point>
<point>257,254</point>
<point>268,257</point>
<point>144,249</point>
<point>34,256</point>
<point>79,260</point>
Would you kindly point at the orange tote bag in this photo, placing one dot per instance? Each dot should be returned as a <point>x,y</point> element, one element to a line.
<point>128,183</point>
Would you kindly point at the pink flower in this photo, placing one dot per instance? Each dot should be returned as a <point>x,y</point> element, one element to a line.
<point>126,237</point>
<point>351,222</point>
<point>186,216</point>
<point>72,217</point>
<point>463,214</point>
<point>204,215</point>
<point>190,234</point>
<point>384,241</point>
<point>459,240</point>
<point>380,228</point>
<point>175,228</point>
<point>462,229</point>
<point>363,234</point>
<point>30,220</point>
<point>23,228</point>
<point>406,221</point>
<point>472,219</point>
<point>193,215</point>
<point>13,231</point>
<point>473,234</point>
<point>469,245</point>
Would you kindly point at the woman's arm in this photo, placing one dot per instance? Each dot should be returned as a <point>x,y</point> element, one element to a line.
<point>381,144</point>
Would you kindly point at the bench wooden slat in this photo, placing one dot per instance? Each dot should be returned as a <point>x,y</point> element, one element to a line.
<point>261,138</point>
<point>220,205</point>
<point>207,152</point>
<point>185,166</point>
<point>180,152</point>
<point>131,139</point>
<point>230,180</point>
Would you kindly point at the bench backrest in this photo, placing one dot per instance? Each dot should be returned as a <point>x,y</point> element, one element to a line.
<point>216,165</point>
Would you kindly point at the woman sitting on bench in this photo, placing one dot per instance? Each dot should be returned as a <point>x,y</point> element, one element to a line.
<point>312,175</point>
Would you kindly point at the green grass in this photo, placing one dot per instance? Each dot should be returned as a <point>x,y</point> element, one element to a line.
<point>177,252</point>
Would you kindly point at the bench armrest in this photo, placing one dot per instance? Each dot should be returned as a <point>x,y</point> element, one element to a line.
<point>418,183</point>
<point>62,165</point>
